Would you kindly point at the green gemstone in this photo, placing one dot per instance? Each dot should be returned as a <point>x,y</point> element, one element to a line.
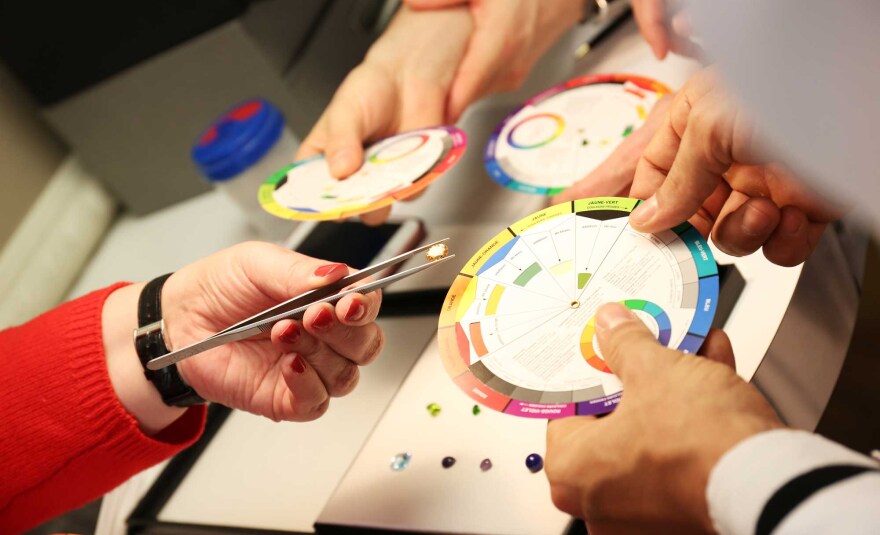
<point>476,410</point>
<point>433,409</point>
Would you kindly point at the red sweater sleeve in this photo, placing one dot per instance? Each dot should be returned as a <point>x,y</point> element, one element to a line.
<point>64,437</point>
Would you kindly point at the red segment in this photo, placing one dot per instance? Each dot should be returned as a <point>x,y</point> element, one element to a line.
<point>245,111</point>
<point>464,347</point>
<point>481,392</point>
<point>208,136</point>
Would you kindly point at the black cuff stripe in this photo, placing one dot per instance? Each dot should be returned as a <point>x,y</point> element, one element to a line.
<point>793,493</point>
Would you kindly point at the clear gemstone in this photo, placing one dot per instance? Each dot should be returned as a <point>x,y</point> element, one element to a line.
<point>400,461</point>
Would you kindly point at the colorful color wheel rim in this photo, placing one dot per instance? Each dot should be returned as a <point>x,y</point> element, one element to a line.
<point>454,142</point>
<point>637,86</point>
<point>516,329</point>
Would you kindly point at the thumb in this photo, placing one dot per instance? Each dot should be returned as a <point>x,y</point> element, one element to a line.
<point>626,343</point>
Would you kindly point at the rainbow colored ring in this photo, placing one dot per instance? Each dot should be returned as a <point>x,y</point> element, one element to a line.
<point>560,126</point>
<point>377,160</point>
<point>664,326</point>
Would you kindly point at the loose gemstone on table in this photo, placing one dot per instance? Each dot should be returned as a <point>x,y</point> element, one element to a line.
<point>433,409</point>
<point>400,461</point>
<point>447,462</point>
<point>486,465</point>
<point>476,410</point>
<point>534,463</point>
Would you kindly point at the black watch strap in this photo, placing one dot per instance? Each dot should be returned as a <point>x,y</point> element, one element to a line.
<point>149,342</point>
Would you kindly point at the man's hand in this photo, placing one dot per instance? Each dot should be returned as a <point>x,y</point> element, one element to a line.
<point>703,165</point>
<point>645,466</point>
<point>614,176</point>
<point>508,39</point>
<point>402,84</point>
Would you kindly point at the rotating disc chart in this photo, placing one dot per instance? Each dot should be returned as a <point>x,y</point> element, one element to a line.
<point>394,168</point>
<point>516,331</point>
<point>560,135</point>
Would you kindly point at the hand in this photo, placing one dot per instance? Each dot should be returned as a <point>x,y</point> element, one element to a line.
<point>614,176</point>
<point>508,39</point>
<point>288,377</point>
<point>665,32</point>
<point>703,165</point>
<point>401,85</point>
<point>644,467</point>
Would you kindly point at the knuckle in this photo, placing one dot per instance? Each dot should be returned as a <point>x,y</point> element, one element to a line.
<point>346,380</point>
<point>375,348</point>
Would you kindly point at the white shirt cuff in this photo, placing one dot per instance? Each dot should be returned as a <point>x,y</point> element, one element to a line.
<point>750,473</point>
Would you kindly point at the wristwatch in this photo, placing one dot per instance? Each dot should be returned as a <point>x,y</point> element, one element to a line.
<point>149,342</point>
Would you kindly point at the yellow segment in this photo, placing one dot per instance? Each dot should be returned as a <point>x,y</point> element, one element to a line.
<point>492,307</point>
<point>476,262</point>
<point>467,299</point>
<point>538,217</point>
<point>605,203</point>
<point>451,305</point>
<point>562,267</point>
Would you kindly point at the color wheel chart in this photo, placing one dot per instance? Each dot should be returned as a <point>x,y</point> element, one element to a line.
<point>394,168</point>
<point>516,331</point>
<point>559,136</point>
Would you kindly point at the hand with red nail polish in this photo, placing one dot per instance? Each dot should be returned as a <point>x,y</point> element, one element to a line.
<point>644,468</point>
<point>290,375</point>
<point>703,165</point>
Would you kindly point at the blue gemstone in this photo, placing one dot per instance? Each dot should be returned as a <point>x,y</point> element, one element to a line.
<point>486,465</point>
<point>534,463</point>
<point>400,461</point>
<point>448,462</point>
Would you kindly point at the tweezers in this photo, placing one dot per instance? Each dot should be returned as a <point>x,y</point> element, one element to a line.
<point>296,307</point>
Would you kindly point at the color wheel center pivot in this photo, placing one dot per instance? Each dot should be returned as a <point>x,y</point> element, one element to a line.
<point>575,304</point>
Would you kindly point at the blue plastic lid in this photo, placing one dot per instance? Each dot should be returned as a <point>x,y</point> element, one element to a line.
<point>238,139</point>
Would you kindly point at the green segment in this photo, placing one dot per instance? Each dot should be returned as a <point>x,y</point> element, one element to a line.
<point>583,279</point>
<point>634,304</point>
<point>527,275</point>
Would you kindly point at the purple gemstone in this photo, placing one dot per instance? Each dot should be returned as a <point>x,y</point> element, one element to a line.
<point>486,465</point>
<point>448,462</point>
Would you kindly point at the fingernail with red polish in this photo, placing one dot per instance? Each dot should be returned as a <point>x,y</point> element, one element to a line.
<point>326,270</point>
<point>323,320</point>
<point>290,334</point>
<point>298,364</point>
<point>355,312</point>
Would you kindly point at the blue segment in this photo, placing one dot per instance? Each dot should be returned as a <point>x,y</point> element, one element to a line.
<point>700,251</point>
<point>499,255</point>
<point>663,322</point>
<point>706,304</point>
<point>497,174</point>
<point>653,310</point>
<point>527,188</point>
<point>664,336</point>
<point>690,344</point>
<point>299,209</point>
<point>238,139</point>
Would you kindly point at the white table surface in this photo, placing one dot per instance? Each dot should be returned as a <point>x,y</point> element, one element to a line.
<point>280,476</point>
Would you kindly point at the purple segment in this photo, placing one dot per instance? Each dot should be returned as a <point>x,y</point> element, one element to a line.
<point>539,410</point>
<point>691,343</point>
<point>664,336</point>
<point>598,406</point>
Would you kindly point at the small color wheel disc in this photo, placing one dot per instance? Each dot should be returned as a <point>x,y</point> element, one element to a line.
<point>516,331</point>
<point>394,168</point>
<point>559,136</point>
